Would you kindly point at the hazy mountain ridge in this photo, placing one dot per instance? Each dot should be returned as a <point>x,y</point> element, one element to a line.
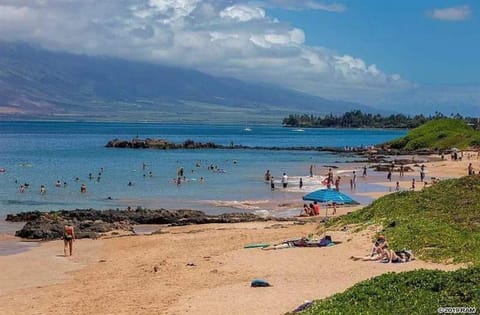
<point>43,84</point>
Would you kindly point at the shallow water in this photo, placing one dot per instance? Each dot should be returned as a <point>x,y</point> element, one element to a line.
<point>40,153</point>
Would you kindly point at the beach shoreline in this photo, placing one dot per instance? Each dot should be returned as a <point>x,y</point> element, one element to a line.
<point>202,267</point>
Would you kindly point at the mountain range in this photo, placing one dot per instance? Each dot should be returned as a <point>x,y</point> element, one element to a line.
<point>40,84</point>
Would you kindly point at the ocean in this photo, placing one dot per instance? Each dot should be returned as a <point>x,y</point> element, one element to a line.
<point>42,153</point>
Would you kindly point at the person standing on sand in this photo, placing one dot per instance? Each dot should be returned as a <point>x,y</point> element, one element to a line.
<point>397,186</point>
<point>68,238</point>
<point>334,205</point>
<point>354,180</point>
<point>413,184</point>
<point>470,169</point>
<point>364,171</point>
<point>389,175</point>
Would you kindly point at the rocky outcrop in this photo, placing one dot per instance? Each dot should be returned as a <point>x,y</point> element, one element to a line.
<point>160,144</point>
<point>190,144</point>
<point>93,223</point>
<point>46,228</point>
<point>372,154</point>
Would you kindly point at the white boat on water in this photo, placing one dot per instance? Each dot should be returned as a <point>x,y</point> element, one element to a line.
<point>298,130</point>
<point>247,129</point>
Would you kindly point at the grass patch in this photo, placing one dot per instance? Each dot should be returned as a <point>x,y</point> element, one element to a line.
<point>439,134</point>
<point>414,292</point>
<point>440,223</point>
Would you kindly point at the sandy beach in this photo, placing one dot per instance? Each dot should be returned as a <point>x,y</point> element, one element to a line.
<point>200,269</point>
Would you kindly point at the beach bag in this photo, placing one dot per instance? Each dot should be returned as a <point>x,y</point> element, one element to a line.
<point>259,283</point>
<point>325,241</point>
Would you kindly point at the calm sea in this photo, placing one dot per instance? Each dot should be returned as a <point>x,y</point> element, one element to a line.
<point>42,153</point>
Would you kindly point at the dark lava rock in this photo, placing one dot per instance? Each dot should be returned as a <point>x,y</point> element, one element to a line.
<point>92,223</point>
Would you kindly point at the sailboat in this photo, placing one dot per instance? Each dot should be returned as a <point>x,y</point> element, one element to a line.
<point>246,127</point>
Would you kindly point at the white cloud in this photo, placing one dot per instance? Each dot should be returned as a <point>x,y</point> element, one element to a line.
<point>459,13</point>
<point>306,4</point>
<point>218,37</point>
<point>243,13</point>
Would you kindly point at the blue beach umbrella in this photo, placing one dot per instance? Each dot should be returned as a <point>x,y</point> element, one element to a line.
<point>329,195</point>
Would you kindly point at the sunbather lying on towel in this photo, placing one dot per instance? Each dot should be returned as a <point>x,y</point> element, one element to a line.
<point>302,242</point>
<point>400,256</point>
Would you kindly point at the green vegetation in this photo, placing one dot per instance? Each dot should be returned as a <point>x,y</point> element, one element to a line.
<point>441,223</point>
<point>414,292</point>
<point>438,134</point>
<point>357,119</point>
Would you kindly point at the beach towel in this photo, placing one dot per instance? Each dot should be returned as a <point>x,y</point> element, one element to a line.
<point>261,245</point>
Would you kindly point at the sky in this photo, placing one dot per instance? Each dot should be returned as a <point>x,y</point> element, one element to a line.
<point>389,54</point>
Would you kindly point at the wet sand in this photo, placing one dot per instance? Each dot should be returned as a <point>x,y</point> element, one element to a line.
<point>199,269</point>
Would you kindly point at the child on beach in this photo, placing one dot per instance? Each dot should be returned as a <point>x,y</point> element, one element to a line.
<point>334,205</point>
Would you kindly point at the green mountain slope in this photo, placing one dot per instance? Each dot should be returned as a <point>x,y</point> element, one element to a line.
<point>444,133</point>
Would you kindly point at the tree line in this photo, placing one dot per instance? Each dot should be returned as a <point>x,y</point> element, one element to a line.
<point>357,119</point>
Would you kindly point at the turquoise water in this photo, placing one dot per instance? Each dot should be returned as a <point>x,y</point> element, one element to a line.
<point>40,153</point>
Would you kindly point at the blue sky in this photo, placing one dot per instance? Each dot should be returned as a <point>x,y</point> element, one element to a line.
<point>419,56</point>
<point>399,37</point>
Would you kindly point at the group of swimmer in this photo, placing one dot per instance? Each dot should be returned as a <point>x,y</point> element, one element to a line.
<point>284,180</point>
<point>43,189</point>
<point>59,184</point>
<point>180,178</point>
